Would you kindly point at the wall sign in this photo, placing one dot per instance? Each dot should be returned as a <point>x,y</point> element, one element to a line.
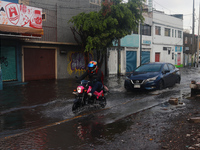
<point>20,15</point>
<point>178,49</point>
<point>146,42</point>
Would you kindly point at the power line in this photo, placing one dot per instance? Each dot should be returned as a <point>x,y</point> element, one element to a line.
<point>163,6</point>
<point>169,9</point>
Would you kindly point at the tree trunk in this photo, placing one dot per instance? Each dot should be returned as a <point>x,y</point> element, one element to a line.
<point>86,58</point>
<point>99,59</point>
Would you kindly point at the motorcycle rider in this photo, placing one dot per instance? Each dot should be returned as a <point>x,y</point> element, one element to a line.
<point>95,77</point>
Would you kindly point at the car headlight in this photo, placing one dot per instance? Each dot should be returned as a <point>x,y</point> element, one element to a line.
<point>127,78</point>
<point>79,90</point>
<point>151,79</point>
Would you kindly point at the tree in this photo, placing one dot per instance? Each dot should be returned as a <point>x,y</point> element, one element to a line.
<point>98,30</point>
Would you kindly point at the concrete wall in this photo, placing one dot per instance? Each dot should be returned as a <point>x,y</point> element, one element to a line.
<point>58,13</point>
<point>57,29</point>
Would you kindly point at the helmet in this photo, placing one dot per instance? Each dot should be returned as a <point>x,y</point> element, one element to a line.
<point>92,66</point>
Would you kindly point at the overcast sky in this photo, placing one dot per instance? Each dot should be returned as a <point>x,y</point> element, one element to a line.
<point>184,7</point>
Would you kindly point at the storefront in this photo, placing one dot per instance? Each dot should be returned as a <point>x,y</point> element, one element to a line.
<point>178,56</point>
<point>17,22</point>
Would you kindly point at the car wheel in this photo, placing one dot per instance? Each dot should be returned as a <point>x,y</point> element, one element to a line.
<point>178,80</point>
<point>127,90</point>
<point>160,85</point>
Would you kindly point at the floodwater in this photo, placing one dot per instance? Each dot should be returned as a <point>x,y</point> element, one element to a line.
<point>37,114</point>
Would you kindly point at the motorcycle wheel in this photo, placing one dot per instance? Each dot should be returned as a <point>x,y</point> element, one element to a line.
<point>75,107</point>
<point>103,102</point>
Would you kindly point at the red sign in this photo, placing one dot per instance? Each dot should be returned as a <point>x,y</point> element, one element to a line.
<point>20,15</point>
<point>13,13</point>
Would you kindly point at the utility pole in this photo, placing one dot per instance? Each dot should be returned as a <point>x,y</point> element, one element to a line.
<point>141,39</point>
<point>193,31</point>
<point>198,39</point>
<point>119,59</point>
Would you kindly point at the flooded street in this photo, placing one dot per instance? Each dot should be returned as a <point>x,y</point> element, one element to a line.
<point>38,114</point>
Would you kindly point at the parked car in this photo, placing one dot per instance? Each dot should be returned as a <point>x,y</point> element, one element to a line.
<point>151,76</point>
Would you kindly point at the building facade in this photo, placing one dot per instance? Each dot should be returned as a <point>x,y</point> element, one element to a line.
<point>167,38</point>
<point>134,49</point>
<point>189,52</point>
<point>47,53</point>
<point>161,40</point>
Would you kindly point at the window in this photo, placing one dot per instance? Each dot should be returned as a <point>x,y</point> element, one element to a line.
<point>149,68</point>
<point>172,32</point>
<point>175,33</point>
<point>167,32</point>
<point>165,68</point>
<point>43,17</point>
<point>97,2</point>
<point>24,2</point>
<point>171,67</point>
<point>157,30</point>
<point>179,34</point>
<point>172,56</point>
<point>146,30</point>
<point>186,40</point>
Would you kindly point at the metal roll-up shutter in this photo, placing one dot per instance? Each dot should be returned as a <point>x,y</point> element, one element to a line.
<point>39,64</point>
<point>131,60</point>
<point>145,57</point>
<point>8,63</point>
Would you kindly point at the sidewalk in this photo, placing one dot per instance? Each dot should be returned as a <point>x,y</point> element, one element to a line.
<point>183,134</point>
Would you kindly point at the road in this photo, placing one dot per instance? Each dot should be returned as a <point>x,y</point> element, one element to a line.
<point>38,115</point>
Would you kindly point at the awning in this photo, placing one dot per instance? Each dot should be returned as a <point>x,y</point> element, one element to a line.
<point>21,30</point>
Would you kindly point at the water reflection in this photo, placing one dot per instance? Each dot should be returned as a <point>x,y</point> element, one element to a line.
<point>21,105</point>
<point>89,130</point>
<point>34,140</point>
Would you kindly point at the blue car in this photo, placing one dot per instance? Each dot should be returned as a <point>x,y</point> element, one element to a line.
<point>152,76</point>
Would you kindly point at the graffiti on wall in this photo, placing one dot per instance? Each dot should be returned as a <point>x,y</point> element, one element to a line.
<point>3,60</point>
<point>76,62</point>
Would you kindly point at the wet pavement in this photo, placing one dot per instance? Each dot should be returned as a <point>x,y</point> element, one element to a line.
<point>37,114</point>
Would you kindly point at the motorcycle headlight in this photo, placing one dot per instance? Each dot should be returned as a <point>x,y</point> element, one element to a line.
<point>151,79</point>
<point>79,90</point>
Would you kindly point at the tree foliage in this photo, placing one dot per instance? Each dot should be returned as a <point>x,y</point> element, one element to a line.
<point>98,30</point>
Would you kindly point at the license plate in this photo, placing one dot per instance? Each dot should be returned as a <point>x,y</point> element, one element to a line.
<point>137,86</point>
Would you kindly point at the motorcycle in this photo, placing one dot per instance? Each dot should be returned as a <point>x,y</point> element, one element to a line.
<point>82,98</point>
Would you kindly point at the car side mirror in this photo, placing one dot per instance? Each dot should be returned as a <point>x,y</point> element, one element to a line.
<point>166,71</point>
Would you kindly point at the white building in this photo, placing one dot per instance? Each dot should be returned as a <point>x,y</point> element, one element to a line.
<point>161,41</point>
<point>167,38</point>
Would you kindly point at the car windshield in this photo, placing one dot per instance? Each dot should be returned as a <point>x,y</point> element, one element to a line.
<point>149,68</point>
